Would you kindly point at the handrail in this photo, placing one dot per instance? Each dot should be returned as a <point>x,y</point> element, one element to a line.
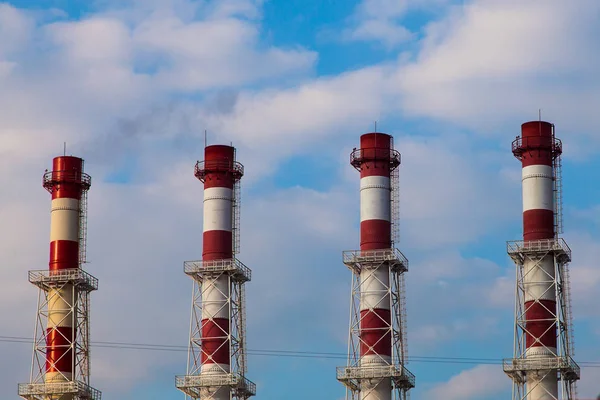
<point>360,156</point>
<point>46,278</point>
<point>231,265</point>
<point>521,145</point>
<point>50,388</point>
<point>540,245</point>
<point>205,167</point>
<point>52,178</point>
<point>235,380</point>
<point>372,372</point>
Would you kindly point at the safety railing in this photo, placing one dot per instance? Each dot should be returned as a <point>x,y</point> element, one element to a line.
<point>521,145</point>
<point>360,156</point>
<point>80,389</point>
<point>351,376</point>
<point>558,246</point>
<point>53,178</point>
<point>361,258</point>
<point>206,167</point>
<point>46,279</point>
<point>236,381</point>
<point>565,365</point>
<point>232,266</point>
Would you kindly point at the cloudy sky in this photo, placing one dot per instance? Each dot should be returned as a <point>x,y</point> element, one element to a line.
<point>131,86</point>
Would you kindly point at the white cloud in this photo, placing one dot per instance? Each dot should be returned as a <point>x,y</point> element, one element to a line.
<point>141,232</point>
<point>502,293</point>
<point>445,283</point>
<point>381,21</point>
<point>584,274</point>
<point>214,52</point>
<point>480,382</point>
<point>383,30</point>
<point>378,20</point>
<point>15,29</point>
<point>435,176</point>
<point>94,41</point>
<point>492,61</point>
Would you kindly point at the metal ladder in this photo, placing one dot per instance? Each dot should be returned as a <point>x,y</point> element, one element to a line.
<point>236,217</point>
<point>395,204</point>
<point>403,319</point>
<point>83,228</point>
<point>569,309</point>
<point>558,200</point>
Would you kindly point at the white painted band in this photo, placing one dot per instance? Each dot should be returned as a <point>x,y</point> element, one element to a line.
<point>542,385</point>
<point>540,352</point>
<point>58,377</point>
<point>538,279</point>
<point>215,293</point>
<point>376,389</point>
<point>375,359</point>
<point>375,288</point>
<point>538,190</point>
<point>214,369</point>
<point>218,209</point>
<point>375,196</point>
<point>64,220</point>
<point>60,306</point>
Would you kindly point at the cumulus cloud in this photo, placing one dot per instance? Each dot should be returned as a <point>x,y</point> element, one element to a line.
<point>16,28</point>
<point>433,193</point>
<point>121,70</point>
<point>445,284</point>
<point>378,20</point>
<point>216,52</point>
<point>490,61</point>
<point>383,21</point>
<point>584,273</point>
<point>480,382</point>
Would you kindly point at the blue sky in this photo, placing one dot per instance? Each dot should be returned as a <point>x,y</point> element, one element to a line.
<point>132,86</point>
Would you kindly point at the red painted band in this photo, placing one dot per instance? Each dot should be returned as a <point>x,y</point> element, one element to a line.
<point>67,163</point>
<point>219,179</point>
<point>375,154</point>
<point>536,143</point>
<point>64,254</point>
<point>538,224</point>
<point>66,175</point>
<point>59,353</point>
<point>375,333</point>
<point>376,140</point>
<point>218,162</point>
<point>539,323</point>
<point>217,245</point>
<point>215,346</point>
<point>375,234</point>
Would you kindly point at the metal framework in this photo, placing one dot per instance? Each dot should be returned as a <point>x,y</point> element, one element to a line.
<point>75,284</point>
<point>359,378</point>
<point>78,284</point>
<point>204,274</point>
<point>561,363</point>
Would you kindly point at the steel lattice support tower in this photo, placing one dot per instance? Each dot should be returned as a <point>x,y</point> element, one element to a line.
<point>542,367</point>
<point>377,336</point>
<point>216,357</point>
<point>61,352</point>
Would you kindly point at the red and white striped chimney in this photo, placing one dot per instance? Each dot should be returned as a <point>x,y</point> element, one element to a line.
<point>217,244</point>
<point>375,233</point>
<point>66,188</point>
<point>538,275</point>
